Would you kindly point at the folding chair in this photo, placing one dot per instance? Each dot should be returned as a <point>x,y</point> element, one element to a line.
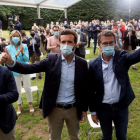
<point>33,88</point>
<point>88,53</point>
<point>95,126</point>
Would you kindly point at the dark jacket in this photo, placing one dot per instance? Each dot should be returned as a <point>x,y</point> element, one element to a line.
<point>2,47</point>
<point>121,63</point>
<point>17,26</point>
<point>52,67</point>
<point>126,40</point>
<point>90,32</point>
<point>8,95</point>
<point>30,46</point>
<point>95,31</point>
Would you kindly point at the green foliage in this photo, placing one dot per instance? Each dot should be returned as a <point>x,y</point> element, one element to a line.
<point>86,10</point>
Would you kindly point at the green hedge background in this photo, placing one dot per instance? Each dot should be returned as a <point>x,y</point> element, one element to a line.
<point>86,10</point>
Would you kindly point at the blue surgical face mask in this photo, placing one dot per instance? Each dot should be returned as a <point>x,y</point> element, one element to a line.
<point>108,50</point>
<point>66,49</point>
<point>129,29</point>
<point>73,29</point>
<point>56,33</point>
<point>15,39</point>
<point>97,23</point>
<point>78,30</point>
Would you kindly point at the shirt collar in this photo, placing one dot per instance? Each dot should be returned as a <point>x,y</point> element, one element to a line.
<point>63,58</point>
<point>111,57</point>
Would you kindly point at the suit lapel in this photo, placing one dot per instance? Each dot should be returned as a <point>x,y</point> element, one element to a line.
<point>115,60</point>
<point>99,71</point>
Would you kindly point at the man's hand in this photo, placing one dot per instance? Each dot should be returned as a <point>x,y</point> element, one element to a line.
<point>31,42</point>
<point>84,117</point>
<point>78,43</point>
<point>6,58</point>
<point>95,119</point>
<point>58,45</point>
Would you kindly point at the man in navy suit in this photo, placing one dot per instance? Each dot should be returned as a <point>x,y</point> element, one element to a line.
<point>96,30</point>
<point>112,92</point>
<point>8,95</point>
<point>64,96</point>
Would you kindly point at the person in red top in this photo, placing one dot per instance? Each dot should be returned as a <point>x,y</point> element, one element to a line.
<point>122,29</point>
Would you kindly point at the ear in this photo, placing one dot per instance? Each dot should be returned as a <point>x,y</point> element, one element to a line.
<point>99,44</point>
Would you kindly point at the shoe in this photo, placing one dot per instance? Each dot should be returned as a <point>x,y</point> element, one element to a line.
<point>33,78</point>
<point>31,110</point>
<point>39,77</point>
<point>19,112</point>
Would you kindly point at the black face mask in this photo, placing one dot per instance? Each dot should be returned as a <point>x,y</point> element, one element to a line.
<point>32,35</point>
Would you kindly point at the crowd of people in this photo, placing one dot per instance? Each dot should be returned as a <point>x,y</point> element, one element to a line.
<point>71,87</point>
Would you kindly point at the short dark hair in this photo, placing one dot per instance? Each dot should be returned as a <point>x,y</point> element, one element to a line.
<point>32,30</point>
<point>69,32</point>
<point>105,33</point>
<point>3,39</point>
<point>55,26</point>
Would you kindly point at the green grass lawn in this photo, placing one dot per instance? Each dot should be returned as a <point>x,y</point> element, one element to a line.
<point>34,127</point>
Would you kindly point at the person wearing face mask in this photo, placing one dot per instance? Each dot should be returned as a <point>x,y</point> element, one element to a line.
<point>42,39</point>
<point>33,44</point>
<point>96,30</point>
<point>130,41</point>
<point>81,42</point>
<point>64,97</point>
<point>17,25</point>
<point>19,52</point>
<point>53,42</point>
<point>90,33</point>
<point>73,27</point>
<point>112,92</point>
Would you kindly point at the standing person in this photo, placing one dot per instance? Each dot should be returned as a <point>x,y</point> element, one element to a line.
<point>64,96</point>
<point>81,42</point>
<point>17,25</point>
<point>138,35</point>
<point>112,93</point>
<point>96,30</point>
<point>35,28</point>
<point>33,44</point>
<point>48,34</point>
<point>19,52</point>
<point>42,43</point>
<point>24,36</point>
<point>90,33</point>
<point>3,45</point>
<point>1,34</point>
<point>53,42</point>
<point>130,41</point>
<point>8,95</point>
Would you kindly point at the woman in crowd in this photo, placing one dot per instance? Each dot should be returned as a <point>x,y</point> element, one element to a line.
<point>130,40</point>
<point>48,34</point>
<point>24,37</point>
<point>19,52</point>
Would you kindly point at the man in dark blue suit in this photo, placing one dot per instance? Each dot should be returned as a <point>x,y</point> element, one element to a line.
<point>112,92</point>
<point>96,30</point>
<point>8,95</point>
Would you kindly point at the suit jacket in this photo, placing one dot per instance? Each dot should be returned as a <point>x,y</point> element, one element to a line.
<point>52,67</point>
<point>90,32</point>
<point>121,63</point>
<point>95,31</point>
<point>17,26</point>
<point>8,95</point>
<point>126,40</point>
<point>83,39</point>
<point>30,46</point>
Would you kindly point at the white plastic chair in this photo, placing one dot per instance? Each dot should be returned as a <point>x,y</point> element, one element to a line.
<point>33,88</point>
<point>137,47</point>
<point>41,55</point>
<point>95,126</point>
<point>88,53</point>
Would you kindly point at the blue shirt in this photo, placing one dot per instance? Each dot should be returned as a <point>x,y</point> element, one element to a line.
<point>33,44</point>
<point>112,88</point>
<point>66,89</point>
